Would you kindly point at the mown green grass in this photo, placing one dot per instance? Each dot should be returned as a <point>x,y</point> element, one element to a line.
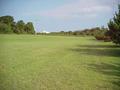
<point>29,62</point>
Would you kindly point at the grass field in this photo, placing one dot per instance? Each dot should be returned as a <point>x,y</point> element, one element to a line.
<point>29,62</point>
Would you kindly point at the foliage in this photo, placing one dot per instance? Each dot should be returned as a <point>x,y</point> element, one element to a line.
<point>29,28</point>
<point>98,32</point>
<point>6,19</point>
<point>101,35</point>
<point>8,25</point>
<point>86,32</point>
<point>114,27</point>
<point>4,28</point>
<point>20,26</point>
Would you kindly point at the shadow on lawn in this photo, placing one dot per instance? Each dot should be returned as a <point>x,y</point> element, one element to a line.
<point>100,46</point>
<point>109,70</point>
<point>104,68</point>
<point>98,50</point>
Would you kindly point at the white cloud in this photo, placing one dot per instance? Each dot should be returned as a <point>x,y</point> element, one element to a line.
<point>80,8</point>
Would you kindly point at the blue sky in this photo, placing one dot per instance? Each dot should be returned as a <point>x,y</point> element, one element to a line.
<point>58,15</point>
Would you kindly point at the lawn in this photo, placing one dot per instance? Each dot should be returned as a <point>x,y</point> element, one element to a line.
<point>34,62</point>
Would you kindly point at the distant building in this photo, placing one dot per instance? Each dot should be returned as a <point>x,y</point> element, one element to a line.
<point>45,31</point>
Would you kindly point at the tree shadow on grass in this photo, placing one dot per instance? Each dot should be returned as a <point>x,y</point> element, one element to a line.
<point>109,70</point>
<point>98,50</point>
<point>100,46</point>
<point>104,68</point>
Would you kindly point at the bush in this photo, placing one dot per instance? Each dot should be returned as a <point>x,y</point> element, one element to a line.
<point>104,38</point>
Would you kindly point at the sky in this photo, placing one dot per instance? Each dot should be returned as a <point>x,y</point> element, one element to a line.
<point>61,15</point>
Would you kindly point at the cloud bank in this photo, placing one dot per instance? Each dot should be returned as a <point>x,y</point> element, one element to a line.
<point>80,8</point>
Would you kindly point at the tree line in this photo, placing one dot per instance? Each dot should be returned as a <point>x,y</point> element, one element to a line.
<point>8,25</point>
<point>96,32</point>
<point>86,32</point>
<point>112,33</point>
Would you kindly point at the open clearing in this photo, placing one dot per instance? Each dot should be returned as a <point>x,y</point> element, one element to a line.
<point>29,62</point>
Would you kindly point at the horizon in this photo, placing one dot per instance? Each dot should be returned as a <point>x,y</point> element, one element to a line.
<point>63,15</point>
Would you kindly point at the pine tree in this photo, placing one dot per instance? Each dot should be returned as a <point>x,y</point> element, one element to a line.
<point>114,27</point>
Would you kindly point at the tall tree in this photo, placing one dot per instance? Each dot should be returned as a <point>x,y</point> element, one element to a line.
<point>20,26</point>
<point>114,27</point>
<point>29,28</point>
<point>6,24</point>
<point>6,19</point>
